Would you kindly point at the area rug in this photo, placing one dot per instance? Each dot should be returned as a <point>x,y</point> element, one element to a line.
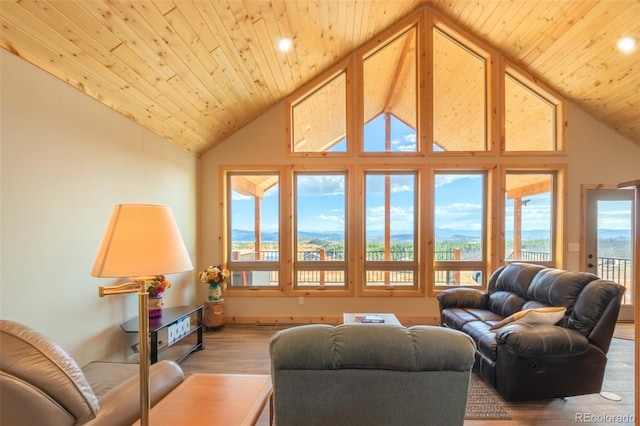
<point>481,405</point>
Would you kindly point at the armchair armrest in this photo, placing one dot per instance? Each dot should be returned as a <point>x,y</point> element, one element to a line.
<point>542,339</point>
<point>121,405</point>
<point>462,297</point>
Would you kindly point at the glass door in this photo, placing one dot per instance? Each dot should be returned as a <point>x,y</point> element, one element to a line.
<point>609,240</point>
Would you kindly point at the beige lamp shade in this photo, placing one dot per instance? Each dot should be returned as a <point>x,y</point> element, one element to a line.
<point>141,240</point>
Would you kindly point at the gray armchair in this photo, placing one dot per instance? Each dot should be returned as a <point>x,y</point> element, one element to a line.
<point>366,374</point>
<point>40,384</point>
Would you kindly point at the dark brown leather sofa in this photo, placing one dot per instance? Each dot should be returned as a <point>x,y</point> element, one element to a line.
<point>525,361</point>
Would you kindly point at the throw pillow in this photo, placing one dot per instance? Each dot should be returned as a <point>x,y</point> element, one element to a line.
<point>549,315</point>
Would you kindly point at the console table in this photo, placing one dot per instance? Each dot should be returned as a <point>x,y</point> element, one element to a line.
<point>173,336</point>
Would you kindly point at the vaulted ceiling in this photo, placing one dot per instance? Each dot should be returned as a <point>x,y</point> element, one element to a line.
<point>194,72</point>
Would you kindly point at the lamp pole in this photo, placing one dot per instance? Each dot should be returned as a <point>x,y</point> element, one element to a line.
<point>143,345</point>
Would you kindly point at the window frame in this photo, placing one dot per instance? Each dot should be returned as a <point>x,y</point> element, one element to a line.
<point>418,288</point>
<point>546,94</point>
<point>487,264</point>
<point>370,49</point>
<point>347,265</point>
<point>477,48</point>
<point>225,242</point>
<point>343,67</point>
<point>557,208</point>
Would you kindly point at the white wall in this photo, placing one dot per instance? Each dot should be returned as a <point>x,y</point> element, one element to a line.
<point>596,155</point>
<point>66,160</point>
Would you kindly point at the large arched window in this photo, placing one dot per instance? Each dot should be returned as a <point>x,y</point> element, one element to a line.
<point>357,218</point>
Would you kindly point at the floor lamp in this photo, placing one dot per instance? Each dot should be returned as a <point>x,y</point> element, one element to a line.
<point>141,241</point>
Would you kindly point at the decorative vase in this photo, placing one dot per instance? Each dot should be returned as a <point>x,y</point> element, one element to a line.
<point>214,292</point>
<point>155,306</point>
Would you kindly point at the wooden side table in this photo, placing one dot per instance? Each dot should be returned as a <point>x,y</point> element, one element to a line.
<point>214,399</point>
<point>214,314</point>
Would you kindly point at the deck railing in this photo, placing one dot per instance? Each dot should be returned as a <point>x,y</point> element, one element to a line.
<point>338,255</point>
<point>529,256</point>
<point>610,268</point>
<point>617,270</point>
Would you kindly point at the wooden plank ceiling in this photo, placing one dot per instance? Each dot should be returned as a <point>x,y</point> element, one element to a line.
<point>194,72</point>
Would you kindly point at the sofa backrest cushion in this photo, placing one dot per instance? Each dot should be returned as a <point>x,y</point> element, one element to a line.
<point>37,360</point>
<point>596,310</point>
<point>557,287</point>
<point>371,346</point>
<point>508,287</point>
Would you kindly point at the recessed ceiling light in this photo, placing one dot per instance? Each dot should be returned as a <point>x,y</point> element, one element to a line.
<point>285,44</point>
<point>627,44</point>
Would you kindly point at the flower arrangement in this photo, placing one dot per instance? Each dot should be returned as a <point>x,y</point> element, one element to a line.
<point>157,285</point>
<point>215,275</point>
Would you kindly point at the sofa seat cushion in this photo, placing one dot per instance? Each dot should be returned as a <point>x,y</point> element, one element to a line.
<point>530,340</point>
<point>104,376</point>
<point>457,318</point>
<point>476,323</point>
<point>484,338</point>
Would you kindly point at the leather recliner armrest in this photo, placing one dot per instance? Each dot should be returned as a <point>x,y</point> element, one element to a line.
<point>121,405</point>
<point>462,298</point>
<point>542,339</point>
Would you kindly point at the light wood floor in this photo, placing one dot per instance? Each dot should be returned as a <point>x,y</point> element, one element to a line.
<point>243,349</point>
